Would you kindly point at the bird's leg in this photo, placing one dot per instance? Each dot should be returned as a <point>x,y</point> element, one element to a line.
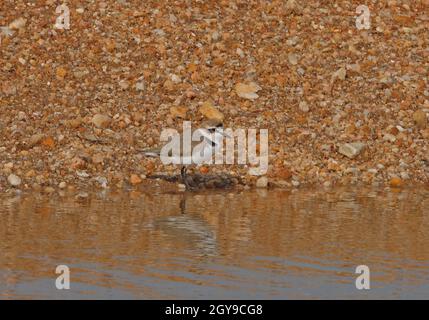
<point>183,173</point>
<point>184,180</point>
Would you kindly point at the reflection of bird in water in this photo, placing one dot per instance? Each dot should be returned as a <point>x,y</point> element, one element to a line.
<point>190,229</point>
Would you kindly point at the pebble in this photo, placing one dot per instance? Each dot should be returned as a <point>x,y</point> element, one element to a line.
<point>8,165</point>
<point>396,182</point>
<point>35,139</point>
<point>420,119</point>
<point>340,74</point>
<point>291,6</point>
<point>296,183</point>
<point>389,137</point>
<point>14,180</point>
<point>140,86</point>
<point>49,190</point>
<point>124,85</point>
<point>178,112</point>
<point>210,112</point>
<point>247,91</point>
<point>303,106</point>
<point>327,184</point>
<point>102,181</point>
<point>293,59</point>
<point>97,158</point>
<point>262,182</point>
<point>101,120</point>
<point>62,185</point>
<point>6,31</point>
<point>82,195</point>
<point>61,73</point>
<point>135,179</point>
<point>18,23</point>
<point>351,150</point>
<point>82,174</point>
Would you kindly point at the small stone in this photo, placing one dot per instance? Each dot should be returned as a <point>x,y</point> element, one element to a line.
<point>405,176</point>
<point>8,88</point>
<point>168,84</point>
<point>49,190</point>
<point>110,45</point>
<point>303,106</point>
<point>178,112</point>
<point>396,182</point>
<point>283,173</point>
<point>78,163</point>
<point>14,180</point>
<point>6,31</point>
<point>35,139</point>
<point>18,23</point>
<point>351,150</point>
<point>135,179</point>
<point>354,68</point>
<point>8,165</point>
<point>159,32</point>
<point>48,142</point>
<point>124,85</point>
<point>247,91</point>
<point>22,116</point>
<point>181,187</point>
<point>62,185</point>
<point>101,120</point>
<point>140,86</point>
<point>74,123</point>
<point>102,181</point>
<point>389,137</point>
<point>340,74</point>
<point>262,182</point>
<point>97,158</point>
<point>300,71</point>
<point>82,174</point>
<point>82,195</point>
<point>293,59</point>
<point>175,78</point>
<point>295,183</point>
<point>61,73</point>
<point>291,6</point>
<point>420,119</point>
<point>210,112</point>
<point>215,36</point>
<point>190,94</point>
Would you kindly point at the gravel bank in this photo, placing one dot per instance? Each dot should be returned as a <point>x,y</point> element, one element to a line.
<point>343,106</point>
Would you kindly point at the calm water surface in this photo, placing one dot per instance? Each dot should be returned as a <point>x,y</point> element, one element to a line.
<point>227,245</point>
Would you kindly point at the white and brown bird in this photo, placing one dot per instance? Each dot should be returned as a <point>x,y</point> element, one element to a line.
<point>211,132</point>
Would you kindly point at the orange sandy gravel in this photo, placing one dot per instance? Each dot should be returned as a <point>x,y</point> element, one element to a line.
<point>76,105</point>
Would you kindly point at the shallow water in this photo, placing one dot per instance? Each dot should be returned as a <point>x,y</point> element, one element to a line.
<point>227,245</point>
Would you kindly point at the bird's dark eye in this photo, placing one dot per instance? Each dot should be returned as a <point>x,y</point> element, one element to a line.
<point>211,130</point>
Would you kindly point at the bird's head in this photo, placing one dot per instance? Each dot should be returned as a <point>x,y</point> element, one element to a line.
<point>214,126</point>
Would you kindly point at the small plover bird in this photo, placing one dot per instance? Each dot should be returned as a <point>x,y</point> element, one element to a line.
<point>212,132</point>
